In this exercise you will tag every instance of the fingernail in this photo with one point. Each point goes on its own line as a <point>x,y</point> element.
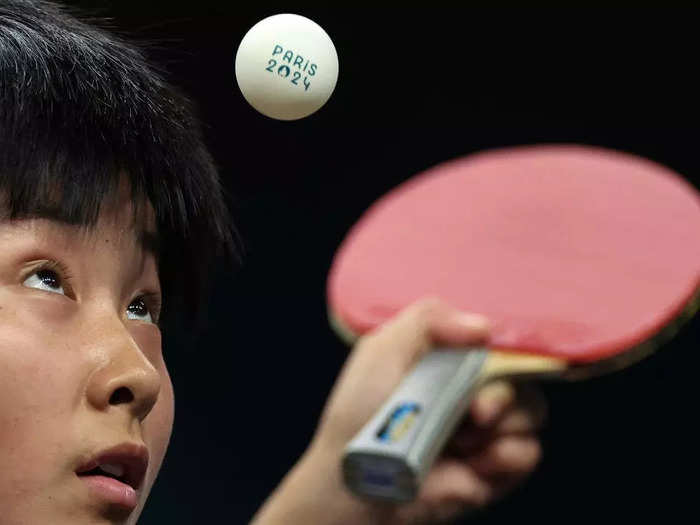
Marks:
<point>473,321</point>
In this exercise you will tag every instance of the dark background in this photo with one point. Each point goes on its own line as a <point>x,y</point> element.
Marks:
<point>416,87</point>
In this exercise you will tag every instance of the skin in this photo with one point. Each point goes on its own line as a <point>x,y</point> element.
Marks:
<point>495,448</point>
<point>65,348</point>
<point>66,345</point>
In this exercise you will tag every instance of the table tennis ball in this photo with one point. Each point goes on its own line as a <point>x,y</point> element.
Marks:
<point>286,67</point>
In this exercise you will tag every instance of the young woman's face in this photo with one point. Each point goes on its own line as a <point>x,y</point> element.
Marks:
<point>81,372</point>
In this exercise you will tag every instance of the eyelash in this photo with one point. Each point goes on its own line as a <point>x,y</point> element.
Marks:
<point>151,299</point>
<point>153,303</point>
<point>59,269</point>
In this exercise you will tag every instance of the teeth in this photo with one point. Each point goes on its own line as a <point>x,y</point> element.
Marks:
<point>115,470</point>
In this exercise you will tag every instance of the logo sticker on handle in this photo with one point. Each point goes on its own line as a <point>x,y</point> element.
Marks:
<point>399,422</point>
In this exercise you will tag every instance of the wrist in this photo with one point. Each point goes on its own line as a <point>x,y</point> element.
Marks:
<point>313,492</point>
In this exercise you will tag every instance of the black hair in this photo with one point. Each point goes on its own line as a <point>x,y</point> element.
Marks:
<point>79,110</point>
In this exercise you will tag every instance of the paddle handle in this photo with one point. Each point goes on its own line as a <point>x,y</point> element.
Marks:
<point>389,458</point>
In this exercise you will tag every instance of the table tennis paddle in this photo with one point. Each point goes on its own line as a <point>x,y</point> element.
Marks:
<point>583,259</point>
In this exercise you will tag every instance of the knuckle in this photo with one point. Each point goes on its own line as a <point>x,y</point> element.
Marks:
<point>520,455</point>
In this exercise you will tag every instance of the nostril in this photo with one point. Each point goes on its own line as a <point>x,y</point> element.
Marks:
<point>121,395</point>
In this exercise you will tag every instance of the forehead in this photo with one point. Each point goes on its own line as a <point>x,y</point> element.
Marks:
<point>119,223</point>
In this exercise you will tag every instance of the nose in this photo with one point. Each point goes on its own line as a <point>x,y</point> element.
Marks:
<point>125,378</point>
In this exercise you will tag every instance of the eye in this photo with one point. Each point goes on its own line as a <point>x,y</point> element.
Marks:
<point>143,308</point>
<point>45,279</point>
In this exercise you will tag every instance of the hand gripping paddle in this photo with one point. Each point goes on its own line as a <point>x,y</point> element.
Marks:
<point>583,259</point>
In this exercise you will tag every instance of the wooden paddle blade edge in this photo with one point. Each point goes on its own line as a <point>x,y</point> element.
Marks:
<point>342,331</point>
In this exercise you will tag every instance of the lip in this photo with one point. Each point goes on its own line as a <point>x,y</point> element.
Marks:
<point>112,491</point>
<point>124,492</point>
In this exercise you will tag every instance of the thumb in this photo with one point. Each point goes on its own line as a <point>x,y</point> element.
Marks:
<point>382,358</point>
<point>422,326</point>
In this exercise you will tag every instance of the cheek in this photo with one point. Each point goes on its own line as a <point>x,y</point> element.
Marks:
<point>157,427</point>
<point>36,373</point>
<point>36,406</point>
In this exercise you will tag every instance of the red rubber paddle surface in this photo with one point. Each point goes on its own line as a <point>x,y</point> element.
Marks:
<point>571,251</point>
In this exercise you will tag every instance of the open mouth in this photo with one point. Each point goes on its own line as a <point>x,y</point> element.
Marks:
<point>115,475</point>
<point>113,471</point>
<point>126,464</point>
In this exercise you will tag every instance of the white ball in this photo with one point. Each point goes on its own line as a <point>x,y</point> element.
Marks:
<point>286,67</point>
